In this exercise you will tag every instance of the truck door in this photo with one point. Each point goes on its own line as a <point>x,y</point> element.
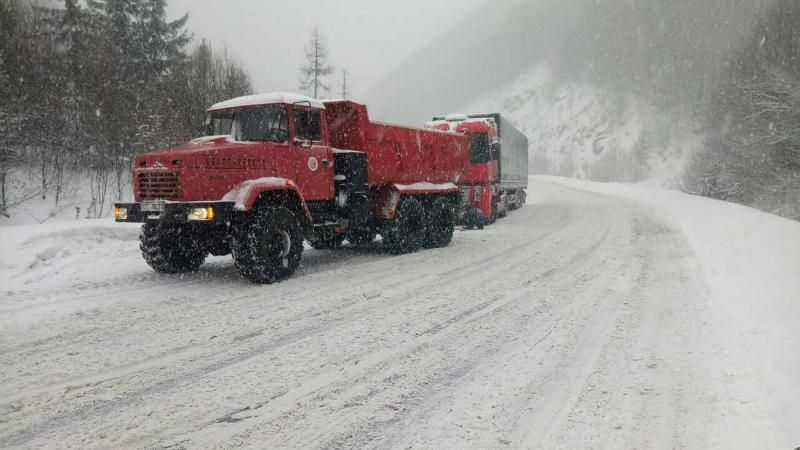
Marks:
<point>314,158</point>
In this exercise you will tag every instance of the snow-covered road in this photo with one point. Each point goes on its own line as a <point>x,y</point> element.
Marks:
<point>582,320</point>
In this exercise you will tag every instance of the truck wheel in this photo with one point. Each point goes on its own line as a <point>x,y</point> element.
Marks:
<point>440,224</point>
<point>267,247</point>
<point>328,244</point>
<point>406,233</point>
<point>361,237</point>
<point>170,248</point>
<point>493,215</point>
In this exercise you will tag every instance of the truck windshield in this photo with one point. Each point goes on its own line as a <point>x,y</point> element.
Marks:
<point>269,123</point>
<point>479,148</point>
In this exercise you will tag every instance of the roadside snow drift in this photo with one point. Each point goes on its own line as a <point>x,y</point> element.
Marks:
<point>751,261</point>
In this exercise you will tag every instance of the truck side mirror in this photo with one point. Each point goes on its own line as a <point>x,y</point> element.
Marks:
<point>494,152</point>
<point>302,143</point>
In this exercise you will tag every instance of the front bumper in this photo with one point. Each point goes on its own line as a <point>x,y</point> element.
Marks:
<point>172,212</point>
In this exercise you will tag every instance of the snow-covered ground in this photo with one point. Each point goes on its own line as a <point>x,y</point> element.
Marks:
<point>600,315</point>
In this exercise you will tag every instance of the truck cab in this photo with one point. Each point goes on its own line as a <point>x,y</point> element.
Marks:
<point>497,176</point>
<point>252,138</point>
<point>479,185</point>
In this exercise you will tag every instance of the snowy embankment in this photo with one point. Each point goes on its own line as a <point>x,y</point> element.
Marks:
<point>76,255</point>
<point>751,262</point>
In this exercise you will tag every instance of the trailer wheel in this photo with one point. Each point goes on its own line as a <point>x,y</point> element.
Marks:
<point>406,233</point>
<point>170,248</point>
<point>440,224</point>
<point>361,237</point>
<point>267,247</point>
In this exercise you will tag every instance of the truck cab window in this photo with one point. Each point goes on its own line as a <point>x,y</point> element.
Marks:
<point>307,125</point>
<point>219,123</point>
<point>264,124</point>
<point>479,148</point>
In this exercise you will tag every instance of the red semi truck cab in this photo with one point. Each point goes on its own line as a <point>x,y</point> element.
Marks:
<point>496,175</point>
<point>276,169</point>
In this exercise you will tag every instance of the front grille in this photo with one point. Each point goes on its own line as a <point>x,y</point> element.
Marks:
<point>160,186</point>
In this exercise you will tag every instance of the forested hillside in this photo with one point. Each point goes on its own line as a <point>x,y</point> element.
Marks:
<point>86,86</point>
<point>752,154</point>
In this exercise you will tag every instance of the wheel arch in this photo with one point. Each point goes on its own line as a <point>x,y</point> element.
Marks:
<point>271,192</point>
<point>289,199</point>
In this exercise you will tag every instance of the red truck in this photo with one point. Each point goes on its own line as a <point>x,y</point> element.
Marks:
<point>277,169</point>
<point>497,173</point>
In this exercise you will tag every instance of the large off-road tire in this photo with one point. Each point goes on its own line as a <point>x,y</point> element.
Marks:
<point>171,248</point>
<point>361,237</point>
<point>440,219</point>
<point>268,245</point>
<point>328,244</point>
<point>406,233</point>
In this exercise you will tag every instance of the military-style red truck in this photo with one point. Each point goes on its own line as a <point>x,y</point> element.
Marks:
<point>497,173</point>
<point>277,169</point>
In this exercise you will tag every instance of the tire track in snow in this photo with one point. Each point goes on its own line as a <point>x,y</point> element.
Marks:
<point>106,407</point>
<point>496,308</point>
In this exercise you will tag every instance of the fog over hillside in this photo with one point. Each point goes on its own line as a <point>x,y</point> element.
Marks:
<point>624,90</point>
<point>654,45</point>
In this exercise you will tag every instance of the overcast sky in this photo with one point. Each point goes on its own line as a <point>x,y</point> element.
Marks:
<point>366,37</point>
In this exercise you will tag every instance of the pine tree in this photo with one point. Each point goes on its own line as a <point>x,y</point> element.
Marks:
<point>138,49</point>
<point>163,46</point>
<point>317,67</point>
<point>93,84</point>
<point>72,100</point>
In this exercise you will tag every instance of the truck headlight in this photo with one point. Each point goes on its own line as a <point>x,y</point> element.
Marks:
<point>201,214</point>
<point>121,213</point>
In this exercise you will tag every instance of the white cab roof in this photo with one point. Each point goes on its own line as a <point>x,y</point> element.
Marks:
<point>266,99</point>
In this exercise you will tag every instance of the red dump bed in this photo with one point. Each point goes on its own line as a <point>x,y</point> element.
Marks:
<point>396,154</point>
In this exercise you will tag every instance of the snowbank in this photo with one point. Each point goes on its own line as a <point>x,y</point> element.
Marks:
<point>751,261</point>
<point>77,254</point>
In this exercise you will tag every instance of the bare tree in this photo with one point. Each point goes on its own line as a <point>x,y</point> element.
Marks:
<point>345,92</point>
<point>317,67</point>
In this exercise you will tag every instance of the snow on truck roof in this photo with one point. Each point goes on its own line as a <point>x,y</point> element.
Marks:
<point>265,99</point>
<point>456,117</point>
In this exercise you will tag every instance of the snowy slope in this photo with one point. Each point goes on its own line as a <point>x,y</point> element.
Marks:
<point>641,319</point>
<point>577,129</point>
